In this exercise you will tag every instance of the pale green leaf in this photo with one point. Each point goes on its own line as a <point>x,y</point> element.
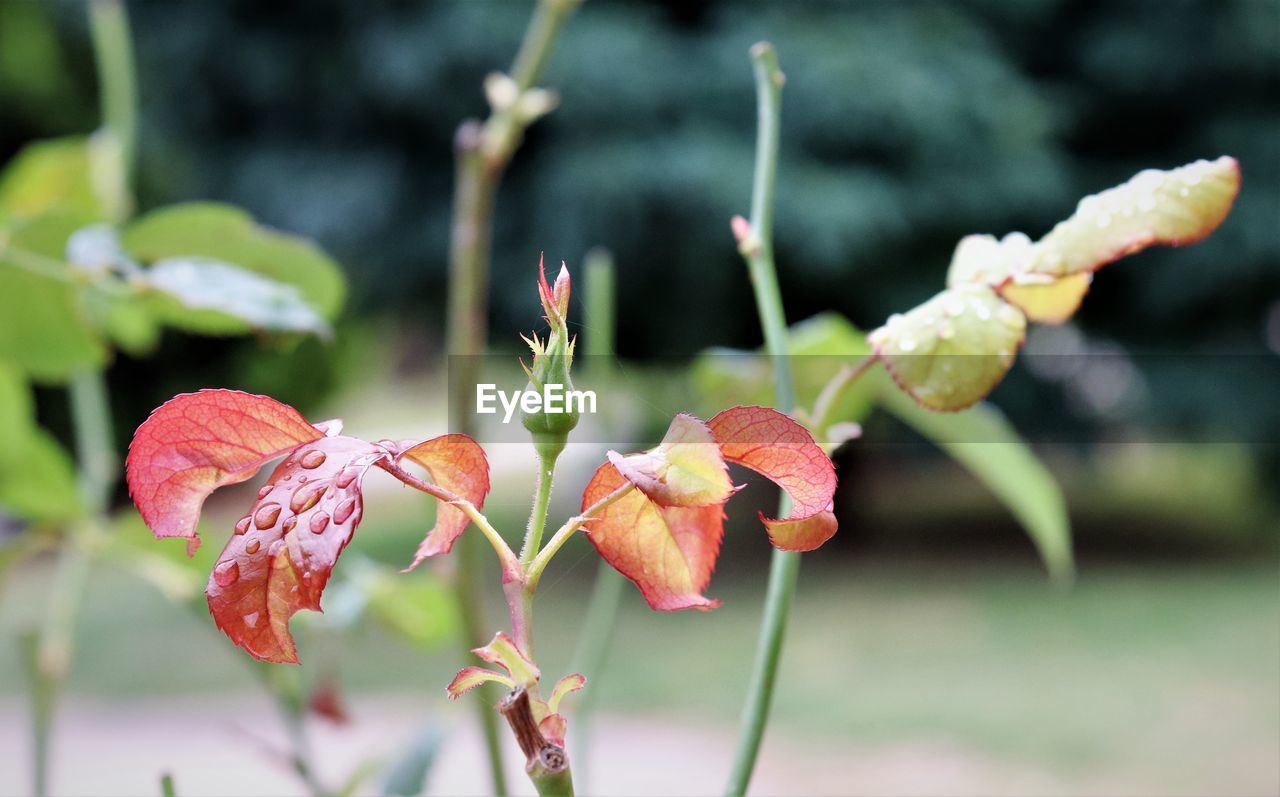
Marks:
<point>951,351</point>
<point>983,441</point>
<point>52,175</point>
<point>1174,207</point>
<point>229,235</point>
<point>37,476</point>
<point>45,327</point>
<point>221,294</point>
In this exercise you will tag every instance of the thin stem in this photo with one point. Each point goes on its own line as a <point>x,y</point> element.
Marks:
<point>118,90</point>
<point>534,572</point>
<point>538,515</point>
<point>757,248</point>
<point>508,558</point>
<point>482,152</point>
<point>286,692</point>
<point>591,654</point>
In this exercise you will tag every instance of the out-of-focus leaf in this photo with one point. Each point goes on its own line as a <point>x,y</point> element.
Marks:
<point>226,234</point>
<point>45,328</point>
<point>407,776</point>
<point>951,351</point>
<point>818,345</point>
<point>37,477</point>
<point>52,175</point>
<point>1174,207</point>
<point>982,440</point>
<point>419,611</point>
<point>213,297</point>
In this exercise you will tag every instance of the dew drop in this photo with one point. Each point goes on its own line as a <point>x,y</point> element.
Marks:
<point>954,307</point>
<point>1147,202</point>
<point>312,459</point>
<point>302,479</point>
<point>251,619</point>
<point>893,319</point>
<point>306,497</point>
<point>907,344</point>
<point>1104,220</point>
<point>345,478</point>
<point>1192,178</point>
<point>946,332</point>
<point>1184,192</point>
<point>252,546</point>
<point>344,511</point>
<point>289,523</point>
<point>982,311</point>
<point>266,516</point>
<point>226,573</point>
<point>319,522</point>
<point>242,525</point>
<point>265,489</point>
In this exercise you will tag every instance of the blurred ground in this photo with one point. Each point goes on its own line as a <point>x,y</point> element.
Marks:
<point>900,679</point>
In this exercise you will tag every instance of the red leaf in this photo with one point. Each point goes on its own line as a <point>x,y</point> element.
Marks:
<point>197,442</point>
<point>458,464</point>
<point>668,552</point>
<point>802,534</point>
<point>774,445</point>
<point>283,551</point>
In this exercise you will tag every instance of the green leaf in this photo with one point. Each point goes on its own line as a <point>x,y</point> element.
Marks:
<point>210,231</point>
<point>37,476</point>
<point>47,330</point>
<point>819,347</point>
<point>56,174</point>
<point>983,441</point>
<point>220,293</point>
<point>951,351</point>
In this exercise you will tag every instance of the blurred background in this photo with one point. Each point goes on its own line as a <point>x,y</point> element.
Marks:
<point>929,653</point>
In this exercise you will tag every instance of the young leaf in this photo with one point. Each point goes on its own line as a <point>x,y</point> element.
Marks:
<point>469,678</point>
<point>774,445</point>
<point>224,290</point>
<point>458,464</point>
<point>1050,302</point>
<point>504,652</point>
<point>229,235</point>
<point>983,441</point>
<point>951,351</point>
<point>668,552</point>
<point>686,469</point>
<point>283,552</point>
<point>197,442</point>
<point>570,683</point>
<point>1174,207</point>
<point>46,330</point>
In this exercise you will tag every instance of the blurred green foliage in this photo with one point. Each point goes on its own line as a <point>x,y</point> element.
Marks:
<point>906,126</point>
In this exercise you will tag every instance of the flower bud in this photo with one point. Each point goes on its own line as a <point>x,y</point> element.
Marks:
<point>552,360</point>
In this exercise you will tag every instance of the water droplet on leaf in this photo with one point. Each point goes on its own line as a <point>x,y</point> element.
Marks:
<point>226,573</point>
<point>252,546</point>
<point>266,516</point>
<point>319,522</point>
<point>344,511</point>
<point>312,459</point>
<point>242,525</point>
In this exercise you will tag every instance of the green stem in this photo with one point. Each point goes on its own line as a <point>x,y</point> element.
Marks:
<point>482,153</point>
<point>285,688</point>
<point>118,90</point>
<point>757,248</point>
<point>522,615</point>
<point>592,652</point>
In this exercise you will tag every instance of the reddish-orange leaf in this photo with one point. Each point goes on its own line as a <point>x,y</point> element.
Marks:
<point>801,534</point>
<point>283,551</point>
<point>458,464</point>
<point>668,552</point>
<point>197,442</point>
<point>775,446</point>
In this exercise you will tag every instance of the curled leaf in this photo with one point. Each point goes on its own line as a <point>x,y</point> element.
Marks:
<point>504,652</point>
<point>197,442</point>
<point>1050,302</point>
<point>1174,207</point>
<point>570,683</point>
<point>469,678</point>
<point>668,552</point>
<point>686,469</point>
<point>951,351</point>
<point>457,463</point>
<point>774,445</point>
<point>283,551</point>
